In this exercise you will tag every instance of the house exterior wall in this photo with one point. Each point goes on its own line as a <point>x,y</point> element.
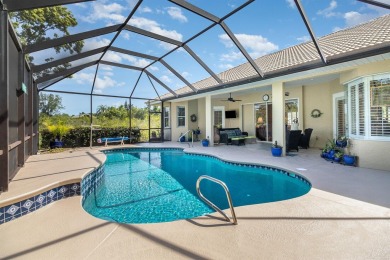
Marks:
<point>319,96</point>
<point>371,153</point>
<point>177,130</point>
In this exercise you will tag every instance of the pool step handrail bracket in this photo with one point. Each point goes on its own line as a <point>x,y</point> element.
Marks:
<point>229,198</point>
<point>192,138</point>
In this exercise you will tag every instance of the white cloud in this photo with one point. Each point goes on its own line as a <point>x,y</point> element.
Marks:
<point>225,66</point>
<point>336,29</point>
<point>153,68</point>
<point>113,57</point>
<point>105,82</point>
<point>110,13</point>
<point>94,43</point>
<point>354,18</point>
<point>231,56</point>
<point>82,5</point>
<point>145,9</point>
<point>291,3</point>
<point>328,12</point>
<point>83,78</point>
<point>154,27</point>
<point>304,38</point>
<point>256,45</point>
<point>186,74</point>
<point>125,35</point>
<point>166,79</point>
<point>176,14</point>
<point>101,83</point>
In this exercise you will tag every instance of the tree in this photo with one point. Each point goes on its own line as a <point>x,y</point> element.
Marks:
<point>50,104</point>
<point>36,25</point>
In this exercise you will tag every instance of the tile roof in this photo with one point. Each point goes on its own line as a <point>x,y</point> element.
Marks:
<point>342,43</point>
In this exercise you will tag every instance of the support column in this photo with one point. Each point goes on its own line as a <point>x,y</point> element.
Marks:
<point>30,110</point>
<point>278,120</point>
<point>35,118</point>
<point>21,111</point>
<point>209,121</point>
<point>4,98</point>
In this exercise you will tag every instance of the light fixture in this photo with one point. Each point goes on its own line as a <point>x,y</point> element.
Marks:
<point>260,120</point>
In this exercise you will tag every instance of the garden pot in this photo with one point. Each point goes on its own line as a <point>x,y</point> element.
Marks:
<point>182,139</point>
<point>205,142</point>
<point>56,144</point>
<point>337,159</point>
<point>331,154</point>
<point>276,151</point>
<point>349,159</point>
<point>341,144</point>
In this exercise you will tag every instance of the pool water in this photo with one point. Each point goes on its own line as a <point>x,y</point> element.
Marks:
<point>150,186</point>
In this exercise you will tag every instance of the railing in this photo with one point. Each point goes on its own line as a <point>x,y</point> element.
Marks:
<point>212,204</point>
<point>192,138</point>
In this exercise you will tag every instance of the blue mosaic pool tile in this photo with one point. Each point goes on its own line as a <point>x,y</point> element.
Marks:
<point>27,205</point>
<point>12,210</point>
<point>51,196</point>
<point>2,215</point>
<point>40,200</point>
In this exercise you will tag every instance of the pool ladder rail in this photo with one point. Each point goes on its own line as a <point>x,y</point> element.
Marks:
<point>192,138</point>
<point>229,198</point>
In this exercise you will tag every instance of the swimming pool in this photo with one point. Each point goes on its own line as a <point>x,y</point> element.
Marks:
<point>158,185</point>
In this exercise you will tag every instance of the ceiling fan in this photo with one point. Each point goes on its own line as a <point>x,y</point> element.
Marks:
<point>231,99</point>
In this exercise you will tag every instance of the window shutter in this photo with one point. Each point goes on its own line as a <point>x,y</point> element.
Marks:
<point>380,107</point>
<point>361,99</point>
<point>353,110</point>
<point>340,117</point>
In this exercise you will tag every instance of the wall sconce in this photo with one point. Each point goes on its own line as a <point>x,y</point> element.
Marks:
<point>287,94</point>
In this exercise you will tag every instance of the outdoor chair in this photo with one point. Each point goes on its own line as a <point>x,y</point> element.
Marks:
<point>305,138</point>
<point>292,141</point>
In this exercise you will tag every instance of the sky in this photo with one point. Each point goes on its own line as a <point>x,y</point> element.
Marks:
<point>262,27</point>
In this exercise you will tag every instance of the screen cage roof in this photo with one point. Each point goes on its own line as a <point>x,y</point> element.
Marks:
<point>161,50</point>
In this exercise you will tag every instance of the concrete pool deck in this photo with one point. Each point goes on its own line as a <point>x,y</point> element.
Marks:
<point>346,215</point>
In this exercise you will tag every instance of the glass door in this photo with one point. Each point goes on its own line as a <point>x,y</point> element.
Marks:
<point>263,117</point>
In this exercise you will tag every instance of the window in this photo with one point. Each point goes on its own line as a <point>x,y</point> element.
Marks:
<point>380,107</point>
<point>369,107</point>
<point>181,116</point>
<point>167,117</point>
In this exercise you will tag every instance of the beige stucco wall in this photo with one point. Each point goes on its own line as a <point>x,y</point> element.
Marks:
<point>371,154</point>
<point>192,110</point>
<point>320,96</point>
<point>176,131</point>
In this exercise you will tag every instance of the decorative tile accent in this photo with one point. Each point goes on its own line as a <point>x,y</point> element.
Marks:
<point>27,205</point>
<point>18,209</point>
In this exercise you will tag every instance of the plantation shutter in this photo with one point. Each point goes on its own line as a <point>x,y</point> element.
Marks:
<point>380,107</point>
<point>340,117</point>
<point>353,110</point>
<point>361,99</point>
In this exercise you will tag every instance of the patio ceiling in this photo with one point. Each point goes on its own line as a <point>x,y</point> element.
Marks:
<point>313,54</point>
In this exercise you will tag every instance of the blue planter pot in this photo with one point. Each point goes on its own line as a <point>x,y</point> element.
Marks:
<point>331,154</point>
<point>277,152</point>
<point>349,159</point>
<point>182,139</point>
<point>341,144</point>
<point>205,143</point>
<point>337,160</point>
<point>56,144</point>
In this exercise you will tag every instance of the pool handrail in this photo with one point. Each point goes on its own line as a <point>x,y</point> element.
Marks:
<point>229,198</point>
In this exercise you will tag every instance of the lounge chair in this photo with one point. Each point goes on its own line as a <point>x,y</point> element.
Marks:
<point>292,140</point>
<point>305,138</point>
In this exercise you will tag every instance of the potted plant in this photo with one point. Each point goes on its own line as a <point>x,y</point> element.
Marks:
<point>349,159</point>
<point>58,131</point>
<point>205,142</point>
<point>337,156</point>
<point>342,141</point>
<point>276,149</point>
